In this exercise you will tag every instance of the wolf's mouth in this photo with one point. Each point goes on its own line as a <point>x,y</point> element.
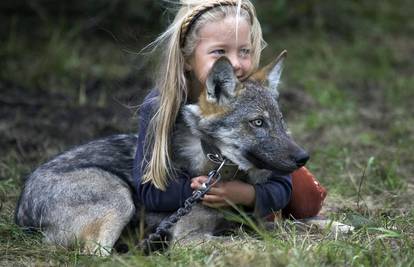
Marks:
<point>262,164</point>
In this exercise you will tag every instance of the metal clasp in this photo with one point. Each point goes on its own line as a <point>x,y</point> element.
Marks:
<point>214,174</point>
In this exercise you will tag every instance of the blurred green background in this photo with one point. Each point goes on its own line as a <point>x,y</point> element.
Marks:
<point>71,71</point>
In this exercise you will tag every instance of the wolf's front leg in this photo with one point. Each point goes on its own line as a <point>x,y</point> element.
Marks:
<point>197,226</point>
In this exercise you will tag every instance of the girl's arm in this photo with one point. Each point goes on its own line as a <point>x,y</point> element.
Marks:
<point>178,189</point>
<point>265,198</point>
<point>273,195</point>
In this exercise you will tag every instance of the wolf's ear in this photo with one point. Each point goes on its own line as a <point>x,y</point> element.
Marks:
<point>221,82</point>
<point>270,74</point>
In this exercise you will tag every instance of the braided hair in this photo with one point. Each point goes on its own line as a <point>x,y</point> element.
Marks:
<point>200,10</point>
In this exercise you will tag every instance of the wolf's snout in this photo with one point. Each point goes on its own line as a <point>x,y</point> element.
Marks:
<point>301,158</point>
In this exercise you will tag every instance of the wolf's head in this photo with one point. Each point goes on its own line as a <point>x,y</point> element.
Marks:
<point>243,119</point>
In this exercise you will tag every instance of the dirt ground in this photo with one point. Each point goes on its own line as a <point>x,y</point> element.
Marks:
<point>39,123</point>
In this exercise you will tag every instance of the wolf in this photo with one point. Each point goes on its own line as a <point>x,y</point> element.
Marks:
<point>87,196</point>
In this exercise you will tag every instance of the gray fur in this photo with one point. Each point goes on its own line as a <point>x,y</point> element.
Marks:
<point>85,187</point>
<point>87,194</point>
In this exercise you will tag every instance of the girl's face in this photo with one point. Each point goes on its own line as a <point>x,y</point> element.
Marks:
<point>221,38</point>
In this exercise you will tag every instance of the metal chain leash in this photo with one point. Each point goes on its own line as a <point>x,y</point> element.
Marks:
<point>158,241</point>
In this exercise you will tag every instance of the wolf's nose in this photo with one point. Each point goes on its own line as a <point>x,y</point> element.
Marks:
<point>301,158</point>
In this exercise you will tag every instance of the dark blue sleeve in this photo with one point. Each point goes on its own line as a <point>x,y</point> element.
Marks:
<point>178,189</point>
<point>273,195</point>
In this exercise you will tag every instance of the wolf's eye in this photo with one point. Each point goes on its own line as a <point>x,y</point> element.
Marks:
<point>257,122</point>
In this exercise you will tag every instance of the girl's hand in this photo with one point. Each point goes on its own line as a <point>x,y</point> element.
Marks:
<point>198,181</point>
<point>222,193</point>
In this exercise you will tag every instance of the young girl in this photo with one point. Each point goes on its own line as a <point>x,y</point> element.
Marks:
<point>202,32</point>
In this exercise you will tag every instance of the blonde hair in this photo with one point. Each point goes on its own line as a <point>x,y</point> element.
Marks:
<point>178,43</point>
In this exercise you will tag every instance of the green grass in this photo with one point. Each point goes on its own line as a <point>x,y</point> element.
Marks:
<point>378,241</point>
<point>357,122</point>
<point>60,60</point>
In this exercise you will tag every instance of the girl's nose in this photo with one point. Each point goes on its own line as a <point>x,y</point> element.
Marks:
<point>235,62</point>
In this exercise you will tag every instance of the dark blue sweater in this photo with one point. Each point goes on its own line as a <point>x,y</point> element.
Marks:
<point>272,195</point>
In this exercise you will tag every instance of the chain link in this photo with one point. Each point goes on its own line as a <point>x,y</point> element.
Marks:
<point>158,241</point>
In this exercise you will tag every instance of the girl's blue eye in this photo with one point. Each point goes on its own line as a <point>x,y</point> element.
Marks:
<point>218,52</point>
<point>244,52</point>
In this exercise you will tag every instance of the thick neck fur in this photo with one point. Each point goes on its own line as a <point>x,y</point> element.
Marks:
<point>187,151</point>
<point>189,155</point>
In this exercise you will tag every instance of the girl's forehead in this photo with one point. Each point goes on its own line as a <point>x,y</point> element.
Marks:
<point>226,29</point>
